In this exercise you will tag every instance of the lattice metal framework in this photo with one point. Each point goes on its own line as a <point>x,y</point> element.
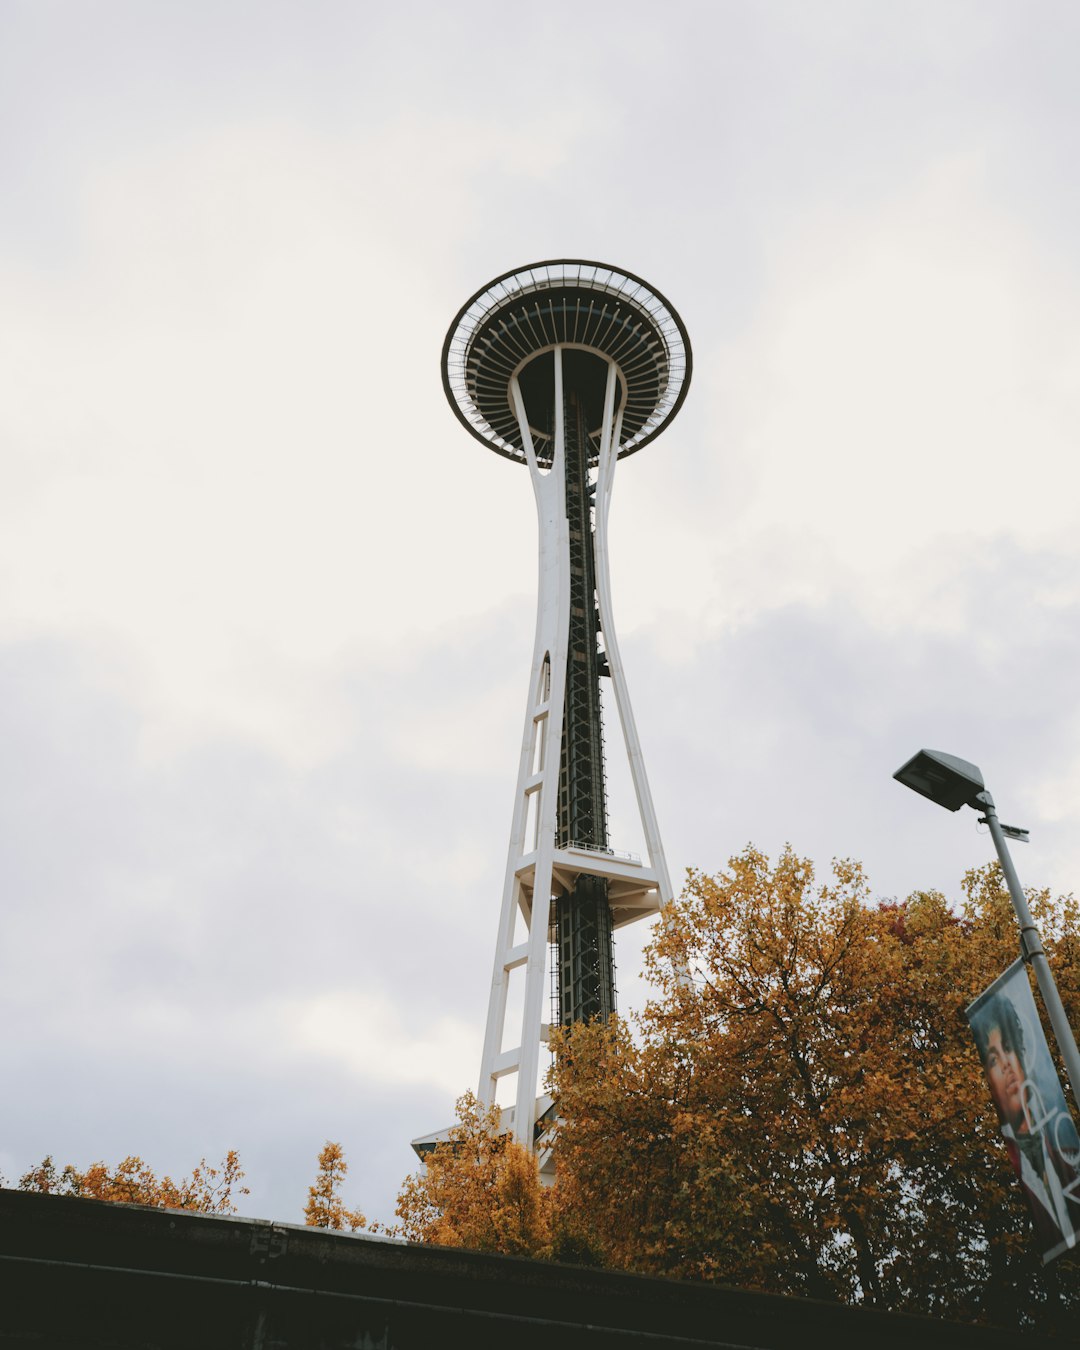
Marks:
<point>582,915</point>
<point>567,366</point>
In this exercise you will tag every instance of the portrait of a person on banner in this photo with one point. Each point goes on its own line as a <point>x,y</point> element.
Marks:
<point>1039,1132</point>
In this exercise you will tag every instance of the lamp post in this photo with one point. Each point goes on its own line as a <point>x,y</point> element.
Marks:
<point>953,783</point>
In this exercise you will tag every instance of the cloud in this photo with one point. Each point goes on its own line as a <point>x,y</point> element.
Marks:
<point>364,1035</point>
<point>902,400</point>
<point>788,728</point>
<point>220,436</point>
<point>226,922</point>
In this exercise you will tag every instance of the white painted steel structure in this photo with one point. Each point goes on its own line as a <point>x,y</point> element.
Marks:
<point>556,308</point>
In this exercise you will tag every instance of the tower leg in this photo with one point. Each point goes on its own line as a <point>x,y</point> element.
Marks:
<point>528,882</point>
<point>604,483</point>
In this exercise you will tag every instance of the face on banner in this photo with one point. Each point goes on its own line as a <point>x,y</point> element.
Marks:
<point>1038,1130</point>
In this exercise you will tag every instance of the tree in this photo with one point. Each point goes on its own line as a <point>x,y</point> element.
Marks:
<point>325,1207</point>
<point>807,1113</point>
<point>209,1190</point>
<point>478,1189</point>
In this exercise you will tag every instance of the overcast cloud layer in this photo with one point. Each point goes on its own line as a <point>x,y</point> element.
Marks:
<point>266,612</point>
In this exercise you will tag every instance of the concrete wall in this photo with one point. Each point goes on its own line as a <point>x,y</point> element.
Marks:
<point>79,1273</point>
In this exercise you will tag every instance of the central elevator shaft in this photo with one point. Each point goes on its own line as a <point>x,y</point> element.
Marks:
<point>586,972</point>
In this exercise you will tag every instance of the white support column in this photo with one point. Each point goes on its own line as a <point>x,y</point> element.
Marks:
<point>609,449</point>
<point>551,507</point>
<point>529,863</point>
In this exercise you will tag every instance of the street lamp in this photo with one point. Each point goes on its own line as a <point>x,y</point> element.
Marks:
<point>953,783</point>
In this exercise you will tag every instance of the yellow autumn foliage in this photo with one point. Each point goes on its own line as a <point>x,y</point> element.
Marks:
<point>478,1189</point>
<point>807,1113</point>
<point>325,1207</point>
<point>209,1190</point>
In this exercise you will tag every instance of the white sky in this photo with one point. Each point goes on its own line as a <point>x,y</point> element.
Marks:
<point>266,611</point>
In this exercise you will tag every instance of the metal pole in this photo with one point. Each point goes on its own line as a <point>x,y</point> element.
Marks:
<point>1031,949</point>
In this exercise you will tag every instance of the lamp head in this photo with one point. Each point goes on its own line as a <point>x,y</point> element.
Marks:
<point>945,779</point>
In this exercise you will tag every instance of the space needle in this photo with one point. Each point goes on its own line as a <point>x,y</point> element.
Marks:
<point>566,367</point>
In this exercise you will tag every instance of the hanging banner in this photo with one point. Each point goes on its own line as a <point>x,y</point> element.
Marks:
<point>1039,1132</point>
